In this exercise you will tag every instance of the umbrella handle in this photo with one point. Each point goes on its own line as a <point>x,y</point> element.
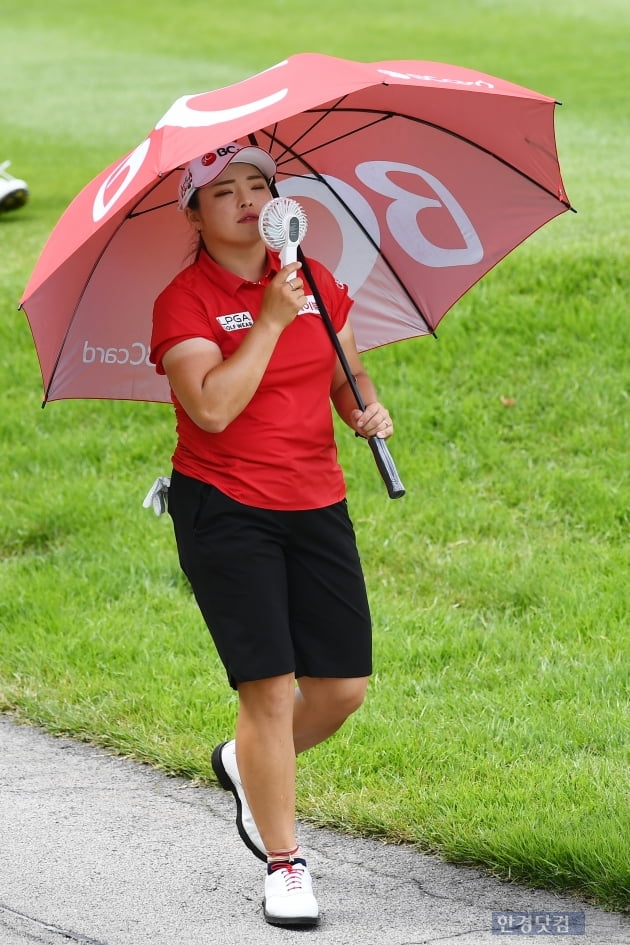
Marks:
<point>383,457</point>
<point>387,467</point>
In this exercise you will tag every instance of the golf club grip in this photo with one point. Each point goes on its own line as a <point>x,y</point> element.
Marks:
<point>386,467</point>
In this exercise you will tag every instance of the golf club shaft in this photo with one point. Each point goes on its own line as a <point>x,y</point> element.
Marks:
<point>380,450</point>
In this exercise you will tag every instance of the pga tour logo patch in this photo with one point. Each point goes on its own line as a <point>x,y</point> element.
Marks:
<point>240,320</point>
<point>236,321</point>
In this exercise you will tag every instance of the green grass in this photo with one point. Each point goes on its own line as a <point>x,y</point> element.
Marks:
<point>496,729</point>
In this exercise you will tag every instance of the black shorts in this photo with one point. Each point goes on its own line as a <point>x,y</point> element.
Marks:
<point>280,592</point>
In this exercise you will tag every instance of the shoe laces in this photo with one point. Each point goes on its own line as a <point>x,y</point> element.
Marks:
<point>292,874</point>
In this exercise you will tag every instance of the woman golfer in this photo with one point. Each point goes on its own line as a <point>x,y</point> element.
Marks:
<point>257,499</point>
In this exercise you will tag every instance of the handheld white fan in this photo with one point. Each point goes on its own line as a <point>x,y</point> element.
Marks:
<point>282,224</point>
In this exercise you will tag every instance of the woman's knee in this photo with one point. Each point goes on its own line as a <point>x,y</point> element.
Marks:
<point>336,698</point>
<point>354,696</point>
<point>268,698</point>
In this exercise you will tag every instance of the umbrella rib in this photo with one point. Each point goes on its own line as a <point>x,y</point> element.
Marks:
<point>159,206</point>
<point>329,141</point>
<point>382,255</point>
<point>437,127</point>
<point>324,113</point>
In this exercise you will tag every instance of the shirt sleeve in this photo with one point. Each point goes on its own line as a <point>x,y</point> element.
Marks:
<point>178,314</point>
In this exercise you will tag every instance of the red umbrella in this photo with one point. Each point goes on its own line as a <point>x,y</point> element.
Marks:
<point>416,178</point>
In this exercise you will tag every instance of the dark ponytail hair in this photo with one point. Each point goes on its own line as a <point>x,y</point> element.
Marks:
<point>197,243</point>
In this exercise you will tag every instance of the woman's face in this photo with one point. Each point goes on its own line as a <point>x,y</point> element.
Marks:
<point>228,208</point>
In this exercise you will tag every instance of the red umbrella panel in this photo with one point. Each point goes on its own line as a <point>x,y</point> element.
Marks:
<point>416,178</point>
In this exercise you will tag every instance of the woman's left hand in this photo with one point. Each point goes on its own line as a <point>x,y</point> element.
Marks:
<point>373,421</point>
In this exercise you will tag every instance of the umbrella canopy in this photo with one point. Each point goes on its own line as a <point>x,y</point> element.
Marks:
<point>416,177</point>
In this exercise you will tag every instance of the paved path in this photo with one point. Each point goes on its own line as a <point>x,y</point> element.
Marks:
<point>99,850</point>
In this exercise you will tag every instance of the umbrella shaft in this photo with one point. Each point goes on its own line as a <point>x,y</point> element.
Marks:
<point>382,456</point>
<point>352,381</point>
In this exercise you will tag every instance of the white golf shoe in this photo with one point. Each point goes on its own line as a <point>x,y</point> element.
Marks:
<point>226,770</point>
<point>13,191</point>
<point>289,898</point>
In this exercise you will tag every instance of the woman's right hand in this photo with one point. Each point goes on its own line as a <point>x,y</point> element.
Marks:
<point>283,297</point>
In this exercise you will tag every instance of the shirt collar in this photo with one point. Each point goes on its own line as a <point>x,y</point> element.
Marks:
<point>229,280</point>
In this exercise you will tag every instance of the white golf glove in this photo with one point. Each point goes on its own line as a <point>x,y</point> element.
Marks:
<point>157,496</point>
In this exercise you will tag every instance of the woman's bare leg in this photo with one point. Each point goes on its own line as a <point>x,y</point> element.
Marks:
<point>277,720</point>
<point>322,706</point>
<point>265,755</point>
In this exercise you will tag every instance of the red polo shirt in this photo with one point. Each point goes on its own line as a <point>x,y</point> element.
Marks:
<point>280,452</point>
